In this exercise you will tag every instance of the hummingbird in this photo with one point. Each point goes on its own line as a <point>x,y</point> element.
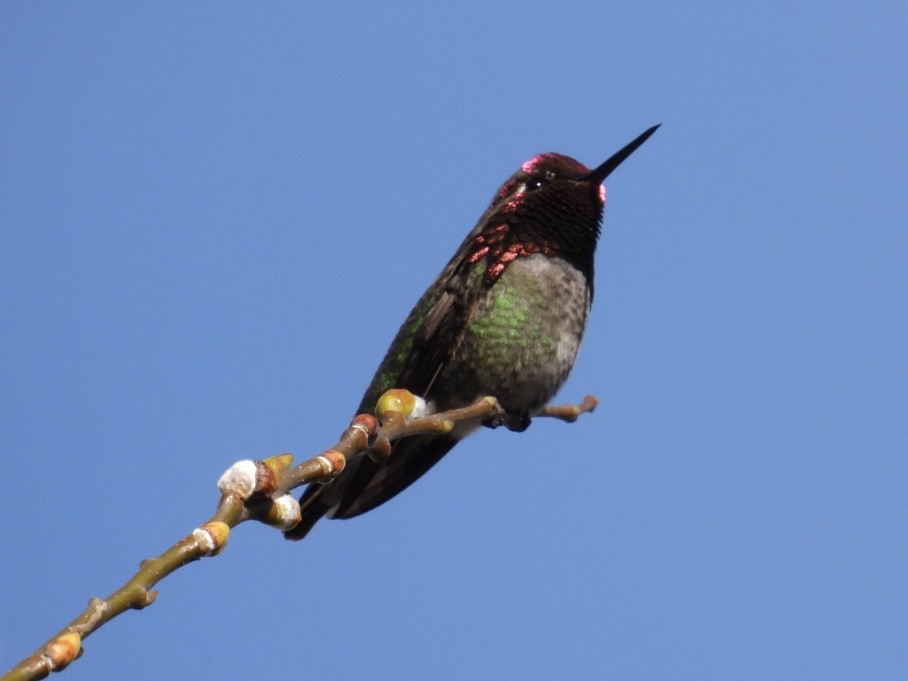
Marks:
<point>504,318</point>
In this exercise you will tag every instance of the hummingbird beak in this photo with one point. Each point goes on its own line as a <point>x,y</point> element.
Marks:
<point>598,175</point>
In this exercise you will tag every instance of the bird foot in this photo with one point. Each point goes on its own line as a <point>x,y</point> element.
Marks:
<point>513,422</point>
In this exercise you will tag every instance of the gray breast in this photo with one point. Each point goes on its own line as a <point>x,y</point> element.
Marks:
<point>523,339</point>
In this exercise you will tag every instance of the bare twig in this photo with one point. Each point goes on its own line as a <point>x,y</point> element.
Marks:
<point>570,412</point>
<point>259,490</point>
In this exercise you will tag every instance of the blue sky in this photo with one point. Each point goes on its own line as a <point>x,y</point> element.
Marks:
<point>215,216</point>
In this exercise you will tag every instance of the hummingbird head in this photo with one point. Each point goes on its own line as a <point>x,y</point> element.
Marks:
<point>557,174</point>
<point>552,205</point>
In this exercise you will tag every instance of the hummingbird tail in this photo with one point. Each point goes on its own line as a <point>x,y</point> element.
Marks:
<point>365,484</point>
<point>313,508</point>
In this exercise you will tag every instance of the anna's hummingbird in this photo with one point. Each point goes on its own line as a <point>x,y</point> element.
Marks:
<point>505,318</point>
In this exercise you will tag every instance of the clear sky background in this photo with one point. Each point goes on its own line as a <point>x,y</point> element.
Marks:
<point>216,215</point>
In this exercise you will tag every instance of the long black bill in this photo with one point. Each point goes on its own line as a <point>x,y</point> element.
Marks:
<point>603,171</point>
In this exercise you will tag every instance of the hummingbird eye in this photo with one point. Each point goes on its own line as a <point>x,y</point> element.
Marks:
<point>535,183</point>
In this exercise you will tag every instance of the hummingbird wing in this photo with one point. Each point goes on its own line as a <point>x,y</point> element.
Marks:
<point>424,344</point>
<point>440,332</point>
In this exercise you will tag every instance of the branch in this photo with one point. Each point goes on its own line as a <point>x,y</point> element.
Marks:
<point>259,490</point>
<point>569,412</point>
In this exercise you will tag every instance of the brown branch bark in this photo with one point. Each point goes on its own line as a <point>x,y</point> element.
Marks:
<point>259,490</point>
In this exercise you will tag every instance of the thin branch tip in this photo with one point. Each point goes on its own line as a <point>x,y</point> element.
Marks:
<point>570,412</point>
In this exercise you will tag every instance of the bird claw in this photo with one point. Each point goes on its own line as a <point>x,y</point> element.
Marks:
<point>517,423</point>
<point>514,422</point>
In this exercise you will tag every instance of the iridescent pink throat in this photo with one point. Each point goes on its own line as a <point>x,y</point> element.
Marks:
<point>499,250</point>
